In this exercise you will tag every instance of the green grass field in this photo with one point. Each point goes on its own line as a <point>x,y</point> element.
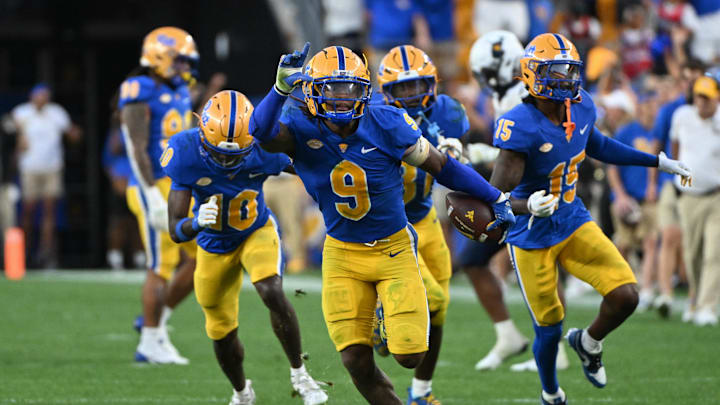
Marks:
<point>66,338</point>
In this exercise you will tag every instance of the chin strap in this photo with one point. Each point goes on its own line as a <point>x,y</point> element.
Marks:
<point>568,125</point>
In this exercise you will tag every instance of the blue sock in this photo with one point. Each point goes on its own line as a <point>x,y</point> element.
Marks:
<point>545,349</point>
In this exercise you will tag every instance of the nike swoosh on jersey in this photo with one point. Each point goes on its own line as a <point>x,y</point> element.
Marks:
<point>364,151</point>
<point>582,131</point>
<point>391,254</point>
<point>253,175</point>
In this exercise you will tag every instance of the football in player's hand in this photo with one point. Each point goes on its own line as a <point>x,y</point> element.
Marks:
<point>471,216</point>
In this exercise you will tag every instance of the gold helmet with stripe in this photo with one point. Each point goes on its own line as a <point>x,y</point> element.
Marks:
<point>340,85</point>
<point>408,79</point>
<point>224,128</point>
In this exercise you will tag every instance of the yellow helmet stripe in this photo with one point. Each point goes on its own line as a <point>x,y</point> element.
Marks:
<point>405,62</point>
<point>233,110</point>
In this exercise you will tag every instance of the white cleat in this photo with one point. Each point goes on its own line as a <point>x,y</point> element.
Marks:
<point>154,353</point>
<point>528,365</point>
<point>503,349</point>
<point>309,390</point>
<point>178,359</point>
<point>561,363</point>
<point>244,397</point>
<point>688,314</point>
<point>663,304</point>
<point>705,317</point>
<point>645,301</point>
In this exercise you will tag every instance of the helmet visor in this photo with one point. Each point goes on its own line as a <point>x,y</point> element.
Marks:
<point>226,160</point>
<point>487,77</point>
<point>560,75</point>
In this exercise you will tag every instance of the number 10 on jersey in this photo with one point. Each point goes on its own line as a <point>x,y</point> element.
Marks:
<point>241,213</point>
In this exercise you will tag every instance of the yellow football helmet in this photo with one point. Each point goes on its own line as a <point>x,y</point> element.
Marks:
<point>163,46</point>
<point>408,79</point>
<point>340,86</point>
<point>551,67</point>
<point>224,128</point>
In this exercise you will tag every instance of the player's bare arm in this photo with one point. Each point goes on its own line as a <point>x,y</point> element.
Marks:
<point>507,174</point>
<point>136,123</point>
<point>178,205</point>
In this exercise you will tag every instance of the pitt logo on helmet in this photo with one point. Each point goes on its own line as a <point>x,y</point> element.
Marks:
<point>163,46</point>
<point>224,129</point>
<point>408,79</point>
<point>340,86</point>
<point>551,68</point>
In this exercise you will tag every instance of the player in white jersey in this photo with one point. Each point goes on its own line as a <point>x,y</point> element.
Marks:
<point>495,63</point>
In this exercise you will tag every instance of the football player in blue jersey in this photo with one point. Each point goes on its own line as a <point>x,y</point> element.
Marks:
<point>348,155</point>
<point>495,64</point>
<point>542,142</point>
<point>408,79</point>
<point>154,104</point>
<point>223,169</point>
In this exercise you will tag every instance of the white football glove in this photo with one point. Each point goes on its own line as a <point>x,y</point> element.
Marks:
<point>451,146</point>
<point>157,208</point>
<point>541,205</point>
<point>481,153</point>
<point>675,167</point>
<point>208,212</point>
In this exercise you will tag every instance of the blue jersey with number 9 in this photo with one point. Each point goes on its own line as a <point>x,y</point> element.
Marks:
<point>239,192</point>
<point>356,181</point>
<point>551,164</point>
<point>170,113</point>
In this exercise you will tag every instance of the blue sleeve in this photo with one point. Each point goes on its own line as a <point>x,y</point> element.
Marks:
<point>509,135</point>
<point>138,89</point>
<point>399,130</point>
<point>264,120</point>
<point>611,151</point>
<point>459,177</point>
<point>172,164</point>
<point>177,186</point>
<point>661,129</point>
<point>276,163</point>
<point>458,120</point>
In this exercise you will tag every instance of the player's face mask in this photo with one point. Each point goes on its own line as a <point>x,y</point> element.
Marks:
<point>226,160</point>
<point>563,79</point>
<point>186,69</point>
<point>487,78</point>
<point>340,99</point>
<point>413,95</point>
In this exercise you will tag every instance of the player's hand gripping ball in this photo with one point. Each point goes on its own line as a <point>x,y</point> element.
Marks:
<point>471,216</point>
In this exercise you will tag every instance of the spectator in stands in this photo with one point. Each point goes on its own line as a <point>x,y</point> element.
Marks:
<point>677,23</point>
<point>695,135</point>
<point>633,213</point>
<point>393,23</point>
<point>443,50</point>
<point>41,125</point>
<point>706,43</point>
<point>122,231</point>
<point>508,15</point>
<point>541,13</point>
<point>286,197</point>
<point>581,26</point>
<point>344,23</point>
<point>670,257</point>
<point>635,38</point>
